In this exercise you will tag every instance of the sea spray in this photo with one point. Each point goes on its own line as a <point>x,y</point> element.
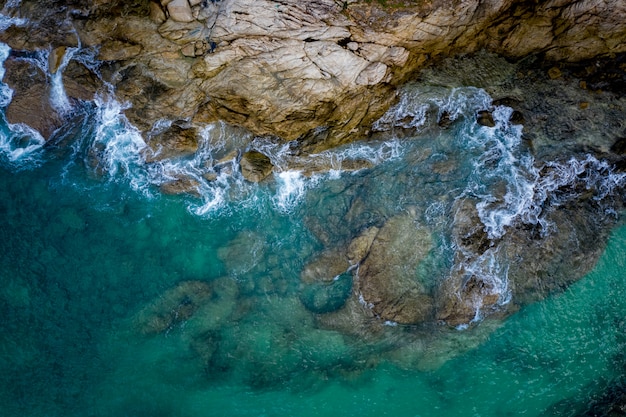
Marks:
<point>290,190</point>
<point>119,145</point>
<point>501,159</point>
<point>502,182</point>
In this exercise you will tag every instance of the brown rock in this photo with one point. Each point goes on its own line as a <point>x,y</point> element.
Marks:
<point>554,73</point>
<point>116,50</point>
<point>325,267</point>
<point>157,15</point>
<point>360,246</point>
<point>180,11</point>
<point>79,82</point>
<point>174,142</point>
<point>287,70</point>
<point>189,50</point>
<point>485,118</point>
<point>183,185</point>
<point>255,166</point>
<point>462,296</point>
<point>31,98</point>
<point>56,58</point>
<point>387,278</point>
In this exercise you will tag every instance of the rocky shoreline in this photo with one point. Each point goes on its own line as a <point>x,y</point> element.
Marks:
<point>316,75</point>
<point>317,72</point>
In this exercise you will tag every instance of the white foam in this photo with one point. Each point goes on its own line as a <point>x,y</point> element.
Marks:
<point>122,144</point>
<point>415,105</point>
<point>290,191</point>
<point>21,145</point>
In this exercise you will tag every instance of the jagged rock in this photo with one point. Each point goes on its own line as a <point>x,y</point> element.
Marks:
<point>174,306</point>
<point>255,166</point>
<point>468,290</point>
<point>139,86</point>
<point>388,279</point>
<point>464,297</point>
<point>80,82</point>
<point>157,15</point>
<point>286,69</point>
<point>360,246</point>
<point>554,261</point>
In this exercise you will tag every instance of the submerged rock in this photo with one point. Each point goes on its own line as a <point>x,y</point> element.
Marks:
<point>387,277</point>
<point>326,297</point>
<point>173,307</point>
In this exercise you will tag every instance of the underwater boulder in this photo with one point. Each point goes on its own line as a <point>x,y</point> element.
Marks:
<point>360,245</point>
<point>326,297</point>
<point>324,267</point>
<point>326,282</point>
<point>174,306</point>
<point>387,279</point>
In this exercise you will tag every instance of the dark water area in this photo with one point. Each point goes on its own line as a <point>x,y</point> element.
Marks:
<point>118,300</point>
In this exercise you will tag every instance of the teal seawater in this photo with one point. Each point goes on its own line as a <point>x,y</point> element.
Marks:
<point>82,256</point>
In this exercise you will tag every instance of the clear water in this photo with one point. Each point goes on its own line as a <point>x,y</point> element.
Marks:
<point>93,256</point>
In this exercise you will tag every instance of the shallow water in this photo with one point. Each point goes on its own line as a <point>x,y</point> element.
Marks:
<point>120,301</point>
<point>76,266</point>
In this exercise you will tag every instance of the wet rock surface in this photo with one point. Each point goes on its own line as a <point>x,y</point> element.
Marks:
<point>255,166</point>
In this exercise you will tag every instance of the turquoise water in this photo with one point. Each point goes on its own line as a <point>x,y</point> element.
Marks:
<point>120,301</point>
<point>77,266</point>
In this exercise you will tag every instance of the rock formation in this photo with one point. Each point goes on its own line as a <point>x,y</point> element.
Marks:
<point>287,68</point>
